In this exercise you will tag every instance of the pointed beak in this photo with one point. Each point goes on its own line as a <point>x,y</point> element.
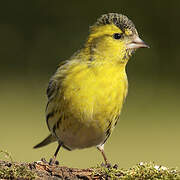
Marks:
<point>137,43</point>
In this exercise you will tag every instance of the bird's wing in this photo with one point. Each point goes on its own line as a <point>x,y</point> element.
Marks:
<point>54,94</point>
<point>55,81</point>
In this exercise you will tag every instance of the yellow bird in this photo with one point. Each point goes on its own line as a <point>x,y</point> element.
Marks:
<point>87,92</point>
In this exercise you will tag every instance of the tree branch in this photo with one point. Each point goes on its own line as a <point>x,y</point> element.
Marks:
<point>41,170</point>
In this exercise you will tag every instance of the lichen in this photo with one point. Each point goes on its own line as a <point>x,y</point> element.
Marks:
<point>142,171</point>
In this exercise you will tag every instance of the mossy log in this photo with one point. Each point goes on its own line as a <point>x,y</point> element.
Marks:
<point>41,170</point>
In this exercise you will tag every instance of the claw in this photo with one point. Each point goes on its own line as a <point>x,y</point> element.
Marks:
<point>53,162</point>
<point>108,165</point>
<point>57,162</point>
<point>44,160</point>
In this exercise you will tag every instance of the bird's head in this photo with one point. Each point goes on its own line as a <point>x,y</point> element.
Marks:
<point>113,37</point>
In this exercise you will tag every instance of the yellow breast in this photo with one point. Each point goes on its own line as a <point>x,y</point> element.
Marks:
<point>91,98</point>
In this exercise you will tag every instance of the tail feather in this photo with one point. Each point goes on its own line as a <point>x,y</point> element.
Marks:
<point>46,141</point>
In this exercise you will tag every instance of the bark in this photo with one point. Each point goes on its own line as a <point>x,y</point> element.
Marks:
<point>40,170</point>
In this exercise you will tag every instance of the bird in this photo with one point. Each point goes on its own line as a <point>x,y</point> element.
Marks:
<point>87,92</point>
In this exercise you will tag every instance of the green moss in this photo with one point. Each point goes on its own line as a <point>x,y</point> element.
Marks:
<point>101,171</point>
<point>16,172</point>
<point>142,171</point>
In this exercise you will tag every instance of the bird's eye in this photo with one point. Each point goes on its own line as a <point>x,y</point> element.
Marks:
<point>117,36</point>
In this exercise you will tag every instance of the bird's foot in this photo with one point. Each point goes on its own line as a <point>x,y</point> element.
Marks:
<point>108,165</point>
<point>53,162</point>
<point>43,160</point>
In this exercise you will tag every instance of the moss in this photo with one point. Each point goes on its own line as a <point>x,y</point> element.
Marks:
<point>142,171</point>
<point>104,172</point>
<point>10,170</point>
<point>16,172</point>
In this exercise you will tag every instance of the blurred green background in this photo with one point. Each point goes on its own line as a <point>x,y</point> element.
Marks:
<point>36,35</point>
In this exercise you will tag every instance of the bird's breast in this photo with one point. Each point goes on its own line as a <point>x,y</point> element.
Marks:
<point>92,102</point>
<point>93,91</point>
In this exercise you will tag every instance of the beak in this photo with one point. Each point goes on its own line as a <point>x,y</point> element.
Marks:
<point>137,43</point>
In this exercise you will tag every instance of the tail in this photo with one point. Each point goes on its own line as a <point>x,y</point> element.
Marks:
<point>46,141</point>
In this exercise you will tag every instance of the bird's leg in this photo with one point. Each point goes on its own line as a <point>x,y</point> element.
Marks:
<point>53,160</point>
<point>101,149</point>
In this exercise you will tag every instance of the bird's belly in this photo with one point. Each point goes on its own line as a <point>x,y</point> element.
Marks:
<point>81,135</point>
<point>89,124</point>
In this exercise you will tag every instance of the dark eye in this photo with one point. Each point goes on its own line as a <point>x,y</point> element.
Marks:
<point>117,36</point>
